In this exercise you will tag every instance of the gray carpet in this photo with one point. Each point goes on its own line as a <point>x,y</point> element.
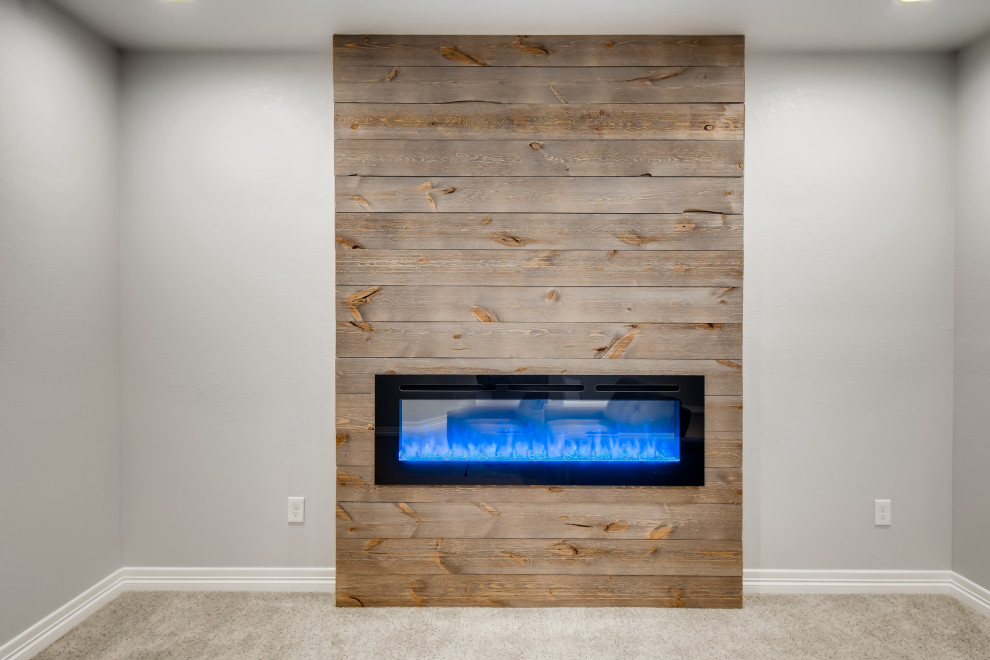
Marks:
<point>141,625</point>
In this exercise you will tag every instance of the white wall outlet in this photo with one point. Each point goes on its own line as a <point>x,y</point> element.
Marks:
<point>881,512</point>
<point>297,509</point>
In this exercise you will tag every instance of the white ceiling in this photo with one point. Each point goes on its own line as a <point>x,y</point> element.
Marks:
<point>805,25</point>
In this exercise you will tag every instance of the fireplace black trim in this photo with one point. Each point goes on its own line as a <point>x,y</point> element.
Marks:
<point>391,389</point>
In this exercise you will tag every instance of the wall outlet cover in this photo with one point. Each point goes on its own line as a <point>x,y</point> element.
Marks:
<point>881,512</point>
<point>297,509</point>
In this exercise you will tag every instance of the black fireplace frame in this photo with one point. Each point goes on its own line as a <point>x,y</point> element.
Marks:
<point>391,389</point>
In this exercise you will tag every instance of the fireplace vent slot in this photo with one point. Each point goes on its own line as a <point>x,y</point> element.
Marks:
<point>533,387</point>
<point>637,388</point>
<point>447,387</point>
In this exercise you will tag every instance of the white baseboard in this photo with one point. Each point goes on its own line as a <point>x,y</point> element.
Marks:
<point>227,579</point>
<point>33,640</point>
<point>971,593</point>
<point>37,637</point>
<point>762,581</point>
<point>759,581</point>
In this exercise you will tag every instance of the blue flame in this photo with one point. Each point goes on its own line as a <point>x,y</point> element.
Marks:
<point>623,430</point>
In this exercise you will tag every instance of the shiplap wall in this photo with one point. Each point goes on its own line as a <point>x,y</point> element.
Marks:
<point>539,205</point>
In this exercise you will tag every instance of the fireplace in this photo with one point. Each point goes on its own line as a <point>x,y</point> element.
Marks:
<point>539,430</point>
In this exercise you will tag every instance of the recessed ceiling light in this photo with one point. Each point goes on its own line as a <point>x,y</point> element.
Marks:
<point>908,2</point>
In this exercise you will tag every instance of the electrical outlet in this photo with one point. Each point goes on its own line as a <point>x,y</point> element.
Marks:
<point>297,509</point>
<point>881,512</point>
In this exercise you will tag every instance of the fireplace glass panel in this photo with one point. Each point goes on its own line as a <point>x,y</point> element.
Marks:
<point>620,429</point>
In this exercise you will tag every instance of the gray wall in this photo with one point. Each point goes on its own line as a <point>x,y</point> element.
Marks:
<point>848,312</point>
<point>971,485</point>
<point>59,443</point>
<point>227,308</point>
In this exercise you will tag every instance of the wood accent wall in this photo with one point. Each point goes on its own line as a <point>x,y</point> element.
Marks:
<point>539,205</point>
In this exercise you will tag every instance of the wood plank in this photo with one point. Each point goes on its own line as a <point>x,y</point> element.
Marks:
<point>722,413</point>
<point>517,51</point>
<point>466,304</point>
<point>538,85</point>
<point>527,340</point>
<point>360,590</point>
<point>514,157</point>
<point>538,557</point>
<point>355,434</point>
<point>547,231</point>
<point>522,267</point>
<point>355,483</point>
<point>355,431</point>
<point>356,453</point>
<point>357,375</point>
<point>505,520</point>
<point>355,413</point>
<point>717,195</point>
<point>496,121</point>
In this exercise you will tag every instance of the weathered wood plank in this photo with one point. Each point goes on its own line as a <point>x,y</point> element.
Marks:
<point>543,85</point>
<point>538,521</point>
<point>356,456</point>
<point>357,375</point>
<point>355,433</point>
<point>518,51</point>
<point>360,590</point>
<point>547,231</point>
<point>355,483</point>
<point>465,304</point>
<point>522,267</point>
<point>526,340</point>
<point>538,557</point>
<point>382,590</point>
<point>495,121</point>
<point>357,448</point>
<point>355,413</point>
<point>356,453</point>
<point>538,158</point>
<point>722,413</point>
<point>716,195</point>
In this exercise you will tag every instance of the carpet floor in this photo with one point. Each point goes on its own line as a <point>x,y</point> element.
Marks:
<point>272,626</point>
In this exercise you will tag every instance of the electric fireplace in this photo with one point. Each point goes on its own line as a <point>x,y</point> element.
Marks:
<point>540,430</point>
